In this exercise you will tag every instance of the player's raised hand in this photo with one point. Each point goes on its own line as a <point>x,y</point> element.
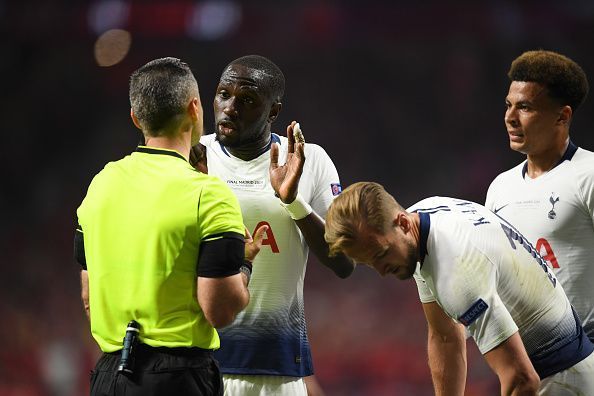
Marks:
<point>285,178</point>
<point>198,158</point>
<point>254,244</point>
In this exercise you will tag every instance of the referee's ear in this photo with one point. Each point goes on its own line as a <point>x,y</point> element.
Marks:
<point>135,120</point>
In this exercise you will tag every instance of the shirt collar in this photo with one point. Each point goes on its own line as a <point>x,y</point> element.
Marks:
<point>567,156</point>
<point>425,226</point>
<point>154,150</point>
<point>274,138</point>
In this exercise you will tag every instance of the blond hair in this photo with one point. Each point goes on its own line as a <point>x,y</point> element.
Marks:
<point>362,203</point>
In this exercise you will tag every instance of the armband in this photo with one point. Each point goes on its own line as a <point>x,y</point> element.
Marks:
<point>298,209</point>
<point>79,248</point>
<point>221,255</point>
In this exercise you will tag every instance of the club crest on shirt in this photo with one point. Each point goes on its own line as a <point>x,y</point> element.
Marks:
<point>553,199</point>
<point>336,188</point>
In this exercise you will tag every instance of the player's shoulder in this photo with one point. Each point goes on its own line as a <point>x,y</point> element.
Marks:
<point>583,159</point>
<point>311,149</point>
<point>316,150</point>
<point>505,181</point>
<point>208,140</point>
<point>433,204</point>
<point>582,169</point>
<point>512,174</point>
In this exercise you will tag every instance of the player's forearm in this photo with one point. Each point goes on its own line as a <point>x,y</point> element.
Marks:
<point>519,384</point>
<point>312,228</point>
<point>447,361</point>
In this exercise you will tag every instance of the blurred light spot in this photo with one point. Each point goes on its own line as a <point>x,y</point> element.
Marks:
<point>212,20</point>
<point>112,46</point>
<point>105,15</point>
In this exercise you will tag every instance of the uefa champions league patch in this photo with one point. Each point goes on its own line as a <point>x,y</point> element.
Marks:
<point>473,312</point>
<point>336,188</point>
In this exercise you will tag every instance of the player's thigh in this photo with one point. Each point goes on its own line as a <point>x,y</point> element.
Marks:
<point>576,380</point>
<point>263,385</point>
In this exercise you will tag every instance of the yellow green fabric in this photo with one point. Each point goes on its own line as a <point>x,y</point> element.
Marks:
<point>143,220</point>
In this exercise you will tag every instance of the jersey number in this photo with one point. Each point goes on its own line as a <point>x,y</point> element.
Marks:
<point>269,238</point>
<point>548,253</point>
<point>514,236</point>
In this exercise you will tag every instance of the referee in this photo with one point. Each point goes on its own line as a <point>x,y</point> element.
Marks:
<point>161,248</point>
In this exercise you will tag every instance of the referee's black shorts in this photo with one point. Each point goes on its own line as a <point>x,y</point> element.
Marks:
<point>159,372</point>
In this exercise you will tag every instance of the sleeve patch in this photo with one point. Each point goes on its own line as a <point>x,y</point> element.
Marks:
<point>336,188</point>
<point>473,313</point>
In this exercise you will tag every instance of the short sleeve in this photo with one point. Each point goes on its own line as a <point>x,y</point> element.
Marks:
<point>470,297</point>
<point>585,180</point>
<point>494,326</point>
<point>327,182</point>
<point>490,199</point>
<point>425,294</point>
<point>218,211</point>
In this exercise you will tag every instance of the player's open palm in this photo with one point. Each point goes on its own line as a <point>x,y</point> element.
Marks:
<point>285,178</point>
<point>254,244</point>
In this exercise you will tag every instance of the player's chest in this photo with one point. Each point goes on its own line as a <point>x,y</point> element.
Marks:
<point>546,206</point>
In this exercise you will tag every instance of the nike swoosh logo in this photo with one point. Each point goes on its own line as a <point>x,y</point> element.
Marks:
<point>498,209</point>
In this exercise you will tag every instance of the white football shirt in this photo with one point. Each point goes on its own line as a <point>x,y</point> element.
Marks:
<point>270,337</point>
<point>555,211</point>
<point>485,275</point>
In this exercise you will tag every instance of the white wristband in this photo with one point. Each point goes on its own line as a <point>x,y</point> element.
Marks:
<point>298,209</point>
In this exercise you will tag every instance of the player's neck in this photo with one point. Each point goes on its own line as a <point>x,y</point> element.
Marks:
<point>415,230</point>
<point>251,150</point>
<point>541,163</point>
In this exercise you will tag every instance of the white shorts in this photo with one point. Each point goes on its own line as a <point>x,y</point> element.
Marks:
<point>576,380</point>
<point>263,385</point>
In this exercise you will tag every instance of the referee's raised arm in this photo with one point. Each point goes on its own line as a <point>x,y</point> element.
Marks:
<point>162,249</point>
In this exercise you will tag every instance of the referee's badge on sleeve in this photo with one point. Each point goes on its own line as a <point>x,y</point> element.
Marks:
<point>336,188</point>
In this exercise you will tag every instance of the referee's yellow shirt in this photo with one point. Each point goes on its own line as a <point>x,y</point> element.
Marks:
<point>143,219</point>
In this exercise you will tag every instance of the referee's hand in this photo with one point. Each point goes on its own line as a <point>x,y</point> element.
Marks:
<point>253,244</point>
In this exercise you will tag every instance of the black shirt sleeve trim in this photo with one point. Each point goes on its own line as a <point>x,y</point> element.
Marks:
<point>79,247</point>
<point>230,234</point>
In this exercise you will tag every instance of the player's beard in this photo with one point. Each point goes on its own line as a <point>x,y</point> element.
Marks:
<point>410,263</point>
<point>239,139</point>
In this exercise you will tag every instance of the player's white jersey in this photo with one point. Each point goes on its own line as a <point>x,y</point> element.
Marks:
<point>555,212</point>
<point>485,275</point>
<point>269,337</point>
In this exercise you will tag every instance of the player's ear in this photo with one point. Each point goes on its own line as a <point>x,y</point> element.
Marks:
<point>401,220</point>
<point>274,111</point>
<point>565,115</point>
<point>135,119</point>
<point>404,221</point>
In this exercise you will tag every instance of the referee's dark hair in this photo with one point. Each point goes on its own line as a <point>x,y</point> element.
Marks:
<point>565,80</point>
<point>273,78</point>
<point>160,91</point>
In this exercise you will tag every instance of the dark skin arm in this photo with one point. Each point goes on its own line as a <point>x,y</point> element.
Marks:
<point>285,182</point>
<point>198,158</point>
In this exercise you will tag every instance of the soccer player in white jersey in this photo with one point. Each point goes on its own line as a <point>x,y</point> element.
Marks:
<point>287,185</point>
<point>550,196</point>
<point>474,270</point>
